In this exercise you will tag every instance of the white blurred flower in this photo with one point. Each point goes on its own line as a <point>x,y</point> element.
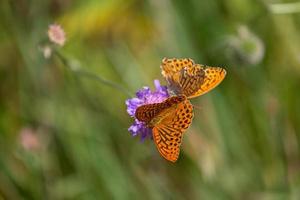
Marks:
<point>56,34</point>
<point>47,51</point>
<point>246,46</point>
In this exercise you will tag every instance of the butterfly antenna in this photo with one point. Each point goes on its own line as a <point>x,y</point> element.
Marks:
<point>197,107</point>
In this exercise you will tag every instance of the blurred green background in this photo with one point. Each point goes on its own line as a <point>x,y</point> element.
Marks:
<point>63,135</point>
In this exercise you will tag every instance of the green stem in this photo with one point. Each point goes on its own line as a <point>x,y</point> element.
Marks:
<point>79,71</point>
<point>285,8</point>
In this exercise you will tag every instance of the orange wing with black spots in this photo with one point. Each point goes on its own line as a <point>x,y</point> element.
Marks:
<point>169,132</point>
<point>146,113</point>
<point>170,67</point>
<point>186,77</point>
<point>168,121</point>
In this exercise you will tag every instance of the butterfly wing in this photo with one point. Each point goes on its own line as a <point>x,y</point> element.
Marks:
<point>186,77</point>
<point>202,80</point>
<point>167,134</point>
<point>171,66</point>
<point>152,113</point>
<point>168,120</point>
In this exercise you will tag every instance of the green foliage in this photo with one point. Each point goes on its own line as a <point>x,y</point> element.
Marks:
<point>63,127</point>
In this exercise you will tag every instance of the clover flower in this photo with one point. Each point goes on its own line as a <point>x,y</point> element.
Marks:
<point>56,34</point>
<point>29,139</point>
<point>143,97</point>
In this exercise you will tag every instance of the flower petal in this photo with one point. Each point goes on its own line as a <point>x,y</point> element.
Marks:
<point>157,84</point>
<point>143,92</point>
<point>132,105</point>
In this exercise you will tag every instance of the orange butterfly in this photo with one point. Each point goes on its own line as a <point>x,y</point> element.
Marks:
<point>192,80</point>
<point>168,120</point>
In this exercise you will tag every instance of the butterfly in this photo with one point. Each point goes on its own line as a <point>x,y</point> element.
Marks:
<point>170,118</point>
<point>192,80</point>
<point>168,121</point>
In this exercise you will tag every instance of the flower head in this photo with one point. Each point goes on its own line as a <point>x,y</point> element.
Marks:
<point>29,139</point>
<point>56,34</point>
<point>246,47</point>
<point>143,97</point>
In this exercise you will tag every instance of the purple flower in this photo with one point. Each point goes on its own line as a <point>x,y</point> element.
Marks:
<point>145,96</point>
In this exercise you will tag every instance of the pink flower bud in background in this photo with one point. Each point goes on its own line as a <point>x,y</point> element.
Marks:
<point>47,51</point>
<point>29,139</point>
<point>56,34</point>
